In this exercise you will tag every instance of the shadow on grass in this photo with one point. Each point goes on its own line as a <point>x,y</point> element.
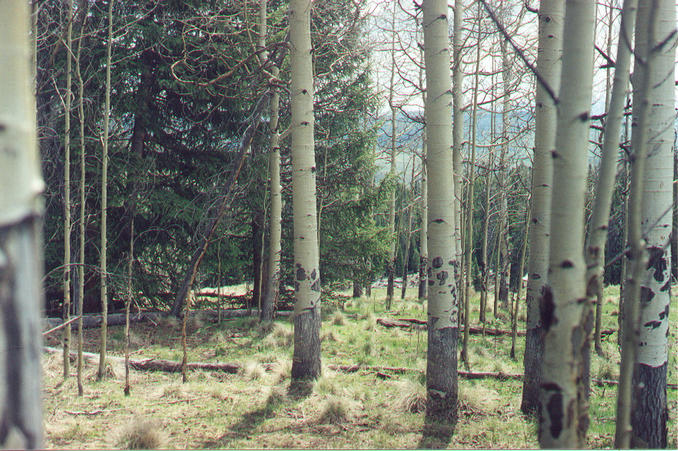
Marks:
<point>436,434</point>
<point>296,392</point>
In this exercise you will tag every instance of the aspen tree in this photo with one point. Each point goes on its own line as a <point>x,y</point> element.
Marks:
<point>548,64</point>
<point>104,199</point>
<point>564,298</point>
<point>441,368</point>
<point>469,203</point>
<point>595,246</point>
<point>458,125</point>
<point>390,265</point>
<point>67,196</point>
<point>81,219</point>
<point>306,357</point>
<point>272,288</point>
<point>21,297</point>
<point>653,136</point>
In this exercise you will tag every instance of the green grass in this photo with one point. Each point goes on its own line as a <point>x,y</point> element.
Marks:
<point>256,408</point>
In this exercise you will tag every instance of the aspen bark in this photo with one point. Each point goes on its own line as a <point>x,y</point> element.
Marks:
<point>423,231</point>
<point>650,412</point>
<point>104,198</point>
<point>549,52</point>
<point>441,368</point>
<point>21,297</point>
<point>469,203</point>
<point>306,358</point>
<point>503,226</point>
<point>595,247</point>
<point>390,264</point>
<point>67,195</point>
<point>81,219</point>
<point>272,288</point>
<point>562,304</point>
<point>458,125</point>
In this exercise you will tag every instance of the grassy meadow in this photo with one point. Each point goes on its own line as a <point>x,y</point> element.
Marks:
<point>257,407</point>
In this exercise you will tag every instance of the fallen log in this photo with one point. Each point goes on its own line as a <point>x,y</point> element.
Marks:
<point>118,319</point>
<point>463,374</point>
<point>168,366</point>
<point>407,323</point>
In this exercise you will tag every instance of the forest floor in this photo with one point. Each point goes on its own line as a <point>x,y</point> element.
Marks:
<point>256,408</point>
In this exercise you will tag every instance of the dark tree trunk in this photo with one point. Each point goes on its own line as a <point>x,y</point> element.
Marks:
<point>441,380</point>
<point>650,413</point>
<point>357,289</point>
<point>306,358</point>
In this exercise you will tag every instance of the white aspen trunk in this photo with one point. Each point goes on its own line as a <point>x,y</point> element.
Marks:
<point>272,289</point>
<point>306,358</point>
<point>81,225</point>
<point>66,337</point>
<point>441,368</point>
<point>503,227</point>
<point>81,219</point>
<point>562,305</point>
<point>549,52</point>
<point>595,247</point>
<point>649,414</point>
<point>104,199</point>
<point>21,265</point>
<point>458,125</point>
<point>390,265</point>
<point>469,202</point>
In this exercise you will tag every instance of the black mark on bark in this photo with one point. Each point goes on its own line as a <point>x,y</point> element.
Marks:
<point>657,261</point>
<point>547,309</point>
<point>437,262</point>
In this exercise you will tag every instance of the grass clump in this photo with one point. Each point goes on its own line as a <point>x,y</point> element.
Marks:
<point>338,319</point>
<point>140,435</point>
<point>281,336</point>
<point>412,396</point>
<point>334,410</point>
<point>253,371</point>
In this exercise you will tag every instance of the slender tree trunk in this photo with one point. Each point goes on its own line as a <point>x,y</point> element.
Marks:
<point>423,231</point>
<point>21,297</point>
<point>104,199</point>
<point>441,369</point>
<point>408,237</point>
<point>548,64</point>
<point>457,128</point>
<point>128,303</point>
<point>306,358</point>
<point>625,236</point>
<point>81,219</point>
<point>67,195</point>
<point>469,200</point>
<point>503,227</point>
<point>519,293</point>
<point>390,265</point>
<point>562,423</point>
<point>650,413</point>
<point>258,257</point>
<point>595,247</point>
<point>272,289</point>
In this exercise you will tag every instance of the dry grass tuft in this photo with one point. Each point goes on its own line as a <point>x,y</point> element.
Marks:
<point>281,336</point>
<point>328,335</point>
<point>412,396</point>
<point>338,319</point>
<point>140,435</point>
<point>334,410</point>
<point>326,385</point>
<point>253,371</point>
<point>478,400</point>
<point>172,391</point>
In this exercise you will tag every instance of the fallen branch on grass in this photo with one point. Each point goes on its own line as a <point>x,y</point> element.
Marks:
<point>408,323</point>
<point>463,374</point>
<point>118,319</point>
<point>61,326</point>
<point>168,366</point>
